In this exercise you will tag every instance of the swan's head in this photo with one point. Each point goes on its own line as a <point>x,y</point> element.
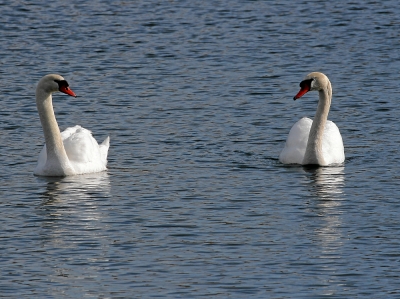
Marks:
<point>313,81</point>
<point>53,83</point>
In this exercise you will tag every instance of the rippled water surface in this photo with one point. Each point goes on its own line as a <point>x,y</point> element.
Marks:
<point>197,99</point>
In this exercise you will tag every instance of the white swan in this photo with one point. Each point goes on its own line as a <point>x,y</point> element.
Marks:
<point>318,142</point>
<point>73,151</point>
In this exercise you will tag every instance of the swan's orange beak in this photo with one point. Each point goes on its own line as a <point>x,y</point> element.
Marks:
<point>68,91</point>
<point>304,89</point>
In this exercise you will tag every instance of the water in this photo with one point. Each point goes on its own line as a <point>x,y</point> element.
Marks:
<point>197,99</point>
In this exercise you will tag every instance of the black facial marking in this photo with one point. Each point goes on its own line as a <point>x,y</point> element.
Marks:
<point>306,83</point>
<point>61,83</point>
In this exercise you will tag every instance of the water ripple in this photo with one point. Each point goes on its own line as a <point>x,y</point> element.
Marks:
<point>196,97</point>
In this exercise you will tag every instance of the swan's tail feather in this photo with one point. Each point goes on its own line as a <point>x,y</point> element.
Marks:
<point>106,142</point>
<point>104,149</point>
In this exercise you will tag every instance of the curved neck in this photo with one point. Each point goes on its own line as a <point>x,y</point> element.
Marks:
<point>57,162</point>
<point>313,154</point>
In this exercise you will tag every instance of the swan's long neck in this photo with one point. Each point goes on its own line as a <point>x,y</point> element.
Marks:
<point>313,154</point>
<point>57,159</point>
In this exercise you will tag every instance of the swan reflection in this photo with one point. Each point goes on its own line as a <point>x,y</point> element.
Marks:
<point>77,187</point>
<point>328,182</point>
<point>74,197</point>
<point>73,220</point>
<point>326,230</point>
<point>327,187</point>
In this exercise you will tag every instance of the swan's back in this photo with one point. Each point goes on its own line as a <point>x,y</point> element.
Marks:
<point>296,143</point>
<point>332,144</point>
<point>84,153</point>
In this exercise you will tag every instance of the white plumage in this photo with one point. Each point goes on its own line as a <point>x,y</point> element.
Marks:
<point>84,153</point>
<point>296,143</point>
<point>317,142</point>
<point>74,151</point>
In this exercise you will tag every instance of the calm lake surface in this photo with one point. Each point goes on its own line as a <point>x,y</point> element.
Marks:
<point>197,99</point>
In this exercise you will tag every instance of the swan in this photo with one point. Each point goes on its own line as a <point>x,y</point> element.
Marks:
<point>74,151</point>
<point>315,142</point>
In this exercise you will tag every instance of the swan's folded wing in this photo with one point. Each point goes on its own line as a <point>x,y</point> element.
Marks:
<point>332,144</point>
<point>41,160</point>
<point>296,143</point>
<point>80,145</point>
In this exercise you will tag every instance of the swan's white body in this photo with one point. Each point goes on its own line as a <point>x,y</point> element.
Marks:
<point>318,142</point>
<point>74,151</point>
<point>296,143</point>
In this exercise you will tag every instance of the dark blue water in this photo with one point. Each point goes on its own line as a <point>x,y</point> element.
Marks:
<point>197,99</point>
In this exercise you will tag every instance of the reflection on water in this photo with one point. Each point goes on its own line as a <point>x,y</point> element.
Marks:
<point>78,187</point>
<point>73,200</point>
<point>196,96</point>
<point>72,222</point>
<point>327,188</point>
<point>328,183</point>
